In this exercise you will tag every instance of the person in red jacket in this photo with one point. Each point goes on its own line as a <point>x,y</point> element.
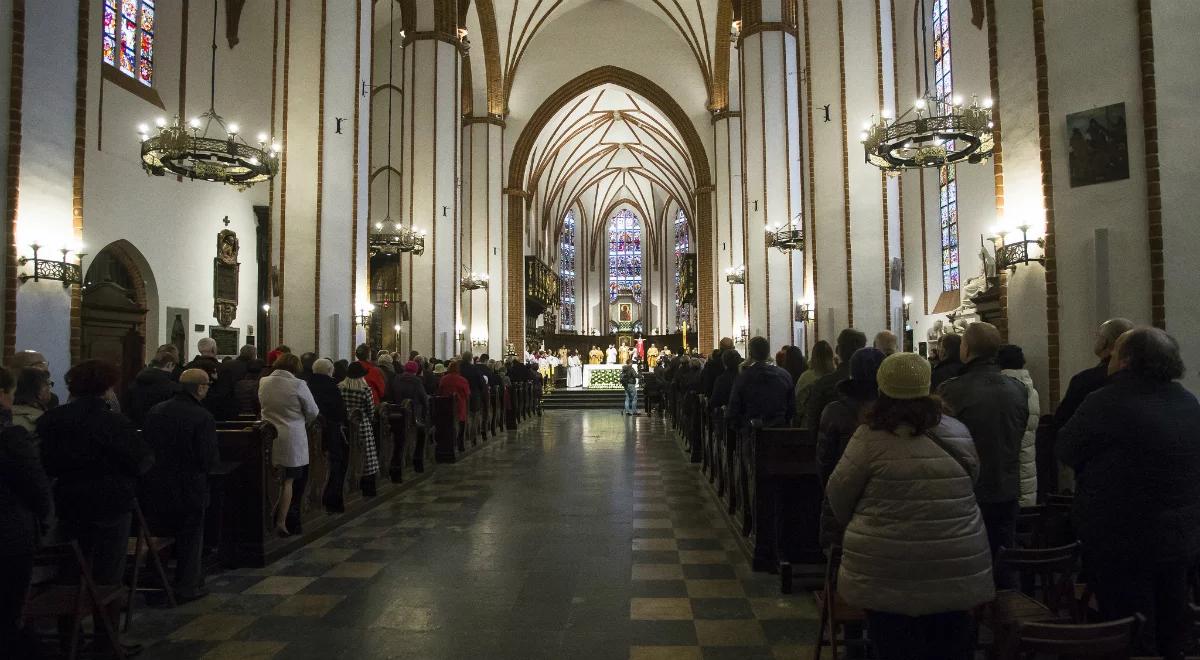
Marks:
<point>454,383</point>
<point>374,376</point>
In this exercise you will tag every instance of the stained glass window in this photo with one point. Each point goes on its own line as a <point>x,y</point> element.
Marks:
<point>683,313</point>
<point>625,254</point>
<point>128,38</point>
<point>566,270</point>
<point>947,177</point>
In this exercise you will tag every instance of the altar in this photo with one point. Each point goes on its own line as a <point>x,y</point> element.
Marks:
<point>602,376</point>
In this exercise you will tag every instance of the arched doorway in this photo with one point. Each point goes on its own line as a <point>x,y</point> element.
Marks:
<point>116,310</point>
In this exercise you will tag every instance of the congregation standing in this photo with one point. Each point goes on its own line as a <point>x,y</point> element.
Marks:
<point>926,466</point>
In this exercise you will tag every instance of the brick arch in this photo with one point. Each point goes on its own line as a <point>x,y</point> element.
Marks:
<point>517,195</point>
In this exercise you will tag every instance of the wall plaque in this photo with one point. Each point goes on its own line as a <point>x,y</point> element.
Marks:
<point>226,338</point>
<point>225,278</point>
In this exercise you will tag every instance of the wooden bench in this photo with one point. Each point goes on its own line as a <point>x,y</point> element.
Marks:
<point>444,419</point>
<point>784,497</point>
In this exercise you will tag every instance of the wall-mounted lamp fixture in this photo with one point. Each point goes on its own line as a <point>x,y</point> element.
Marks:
<point>49,269</point>
<point>788,237</point>
<point>743,335</point>
<point>479,339</point>
<point>1010,255</point>
<point>472,281</point>
<point>907,307</point>
<point>804,312</point>
<point>735,274</point>
<point>266,308</point>
<point>364,315</point>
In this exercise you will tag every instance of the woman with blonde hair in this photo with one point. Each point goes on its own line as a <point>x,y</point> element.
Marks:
<point>289,406</point>
<point>360,413</point>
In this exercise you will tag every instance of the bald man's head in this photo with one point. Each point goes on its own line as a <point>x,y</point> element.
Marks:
<point>1106,338</point>
<point>195,382</point>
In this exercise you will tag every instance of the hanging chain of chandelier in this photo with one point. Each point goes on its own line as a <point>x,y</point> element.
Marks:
<point>388,237</point>
<point>198,150</point>
<point>940,131</point>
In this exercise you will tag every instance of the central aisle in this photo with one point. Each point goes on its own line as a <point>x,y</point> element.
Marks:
<point>585,535</point>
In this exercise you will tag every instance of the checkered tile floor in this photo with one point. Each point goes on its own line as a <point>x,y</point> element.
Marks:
<point>584,535</point>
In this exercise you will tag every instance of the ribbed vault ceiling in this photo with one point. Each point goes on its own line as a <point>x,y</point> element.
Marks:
<point>606,146</point>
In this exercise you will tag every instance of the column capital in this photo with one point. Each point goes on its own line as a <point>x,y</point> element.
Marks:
<point>490,118</point>
<point>517,192</point>
<point>725,113</point>
<point>434,35</point>
<point>759,28</point>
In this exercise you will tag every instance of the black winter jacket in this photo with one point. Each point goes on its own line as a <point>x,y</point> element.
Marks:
<point>24,493</point>
<point>995,409</point>
<point>839,421</point>
<point>151,387</point>
<point>96,455</point>
<point>1135,446</point>
<point>183,436</point>
<point>408,387</point>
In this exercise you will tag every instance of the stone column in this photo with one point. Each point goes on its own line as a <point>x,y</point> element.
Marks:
<point>430,184</point>
<point>770,165</point>
<point>729,246</point>
<point>483,309</point>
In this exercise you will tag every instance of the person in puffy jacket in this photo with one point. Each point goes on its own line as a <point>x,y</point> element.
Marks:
<point>915,554</point>
<point>1012,364</point>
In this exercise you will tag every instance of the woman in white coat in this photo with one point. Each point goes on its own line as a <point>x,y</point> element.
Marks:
<point>1012,363</point>
<point>288,405</point>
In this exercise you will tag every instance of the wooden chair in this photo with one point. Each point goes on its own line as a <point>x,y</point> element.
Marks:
<point>1049,575</point>
<point>72,594</point>
<point>144,545</point>
<point>835,613</point>
<point>1108,641</point>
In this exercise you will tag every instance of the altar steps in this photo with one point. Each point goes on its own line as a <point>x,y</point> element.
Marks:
<point>581,399</point>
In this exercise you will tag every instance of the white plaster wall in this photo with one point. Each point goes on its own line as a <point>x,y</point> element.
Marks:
<point>47,150</point>
<point>1074,37</point>
<point>828,244</point>
<point>1176,52</point>
<point>337,204</point>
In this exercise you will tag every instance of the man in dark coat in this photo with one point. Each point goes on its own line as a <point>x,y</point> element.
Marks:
<point>152,386</point>
<point>949,363</point>
<point>334,444</point>
<point>824,391</point>
<point>762,391</point>
<point>1093,378</point>
<point>731,361</point>
<point>174,492</point>
<point>713,368</point>
<point>407,386</point>
<point>24,505</point>
<point>1134,445</point>
<point>995,408</point>
<point>467,369</point>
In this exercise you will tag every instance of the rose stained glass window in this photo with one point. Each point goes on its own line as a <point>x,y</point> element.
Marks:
<point>127,40</point>
<point>625,254</point>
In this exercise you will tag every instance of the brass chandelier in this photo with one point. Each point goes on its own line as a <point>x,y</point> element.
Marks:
<point>941,133</point>
<point>190,151</point>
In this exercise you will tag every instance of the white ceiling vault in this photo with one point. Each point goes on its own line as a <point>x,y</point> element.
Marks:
<point>518,23</point>
<point>608,145</point>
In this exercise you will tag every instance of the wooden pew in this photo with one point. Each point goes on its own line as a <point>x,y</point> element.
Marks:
<point>705,435</point>
<point>402,433</point>
<point>445,429</point>
<point>692,427</point>
<point>785,497</point>
<point>496,409</point>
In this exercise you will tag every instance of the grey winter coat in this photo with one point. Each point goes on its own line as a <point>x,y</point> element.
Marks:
<point>914,542</point>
